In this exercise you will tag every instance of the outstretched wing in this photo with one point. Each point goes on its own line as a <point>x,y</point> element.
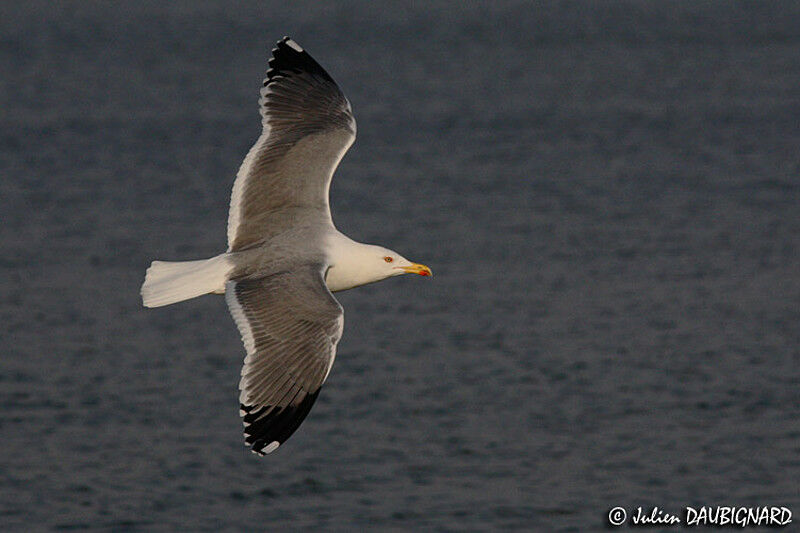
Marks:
<point>308,127</point>
<point>290,324</point>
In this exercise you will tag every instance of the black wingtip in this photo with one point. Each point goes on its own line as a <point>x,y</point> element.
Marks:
<point>289,57</point>
<point>266,428</point>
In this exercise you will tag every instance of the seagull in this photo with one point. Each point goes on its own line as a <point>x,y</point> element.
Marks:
<point>285,257</point>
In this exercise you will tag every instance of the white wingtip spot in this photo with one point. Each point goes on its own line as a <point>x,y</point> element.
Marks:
<point>271,447</point>
<point>296,47</point>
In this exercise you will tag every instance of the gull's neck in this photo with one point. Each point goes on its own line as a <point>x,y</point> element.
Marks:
<point>351,263</point>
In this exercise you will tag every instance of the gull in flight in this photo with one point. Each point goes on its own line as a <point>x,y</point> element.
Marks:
<point>285,256</point>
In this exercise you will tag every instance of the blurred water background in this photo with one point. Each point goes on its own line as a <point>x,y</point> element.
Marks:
<point>607,193</point>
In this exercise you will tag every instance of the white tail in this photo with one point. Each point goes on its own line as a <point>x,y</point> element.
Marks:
<point>170,282</point>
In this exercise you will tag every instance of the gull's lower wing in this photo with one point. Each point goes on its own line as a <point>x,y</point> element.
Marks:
<point>290,325</point>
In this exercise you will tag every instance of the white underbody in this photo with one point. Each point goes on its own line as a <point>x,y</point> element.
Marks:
<point>349,264</point>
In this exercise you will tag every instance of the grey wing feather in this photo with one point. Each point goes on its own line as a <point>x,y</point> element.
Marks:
<point>290,324</point>
<point>308,127</point>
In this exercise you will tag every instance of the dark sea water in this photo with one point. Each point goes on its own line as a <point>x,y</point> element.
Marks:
<point>608,194</point>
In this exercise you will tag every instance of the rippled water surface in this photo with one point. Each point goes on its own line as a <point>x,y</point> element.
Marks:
<point>608,196</point>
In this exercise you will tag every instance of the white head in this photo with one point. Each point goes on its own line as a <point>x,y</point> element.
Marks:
<point>395,264</point>
<point>352,266</point>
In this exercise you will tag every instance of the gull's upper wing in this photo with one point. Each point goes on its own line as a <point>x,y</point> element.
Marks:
<point>308,127</point>
<point>290,324</point>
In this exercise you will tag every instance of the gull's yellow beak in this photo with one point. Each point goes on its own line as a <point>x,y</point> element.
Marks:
<point>416,268</point>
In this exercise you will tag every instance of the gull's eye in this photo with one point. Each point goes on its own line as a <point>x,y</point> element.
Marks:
<point>388,259</point>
